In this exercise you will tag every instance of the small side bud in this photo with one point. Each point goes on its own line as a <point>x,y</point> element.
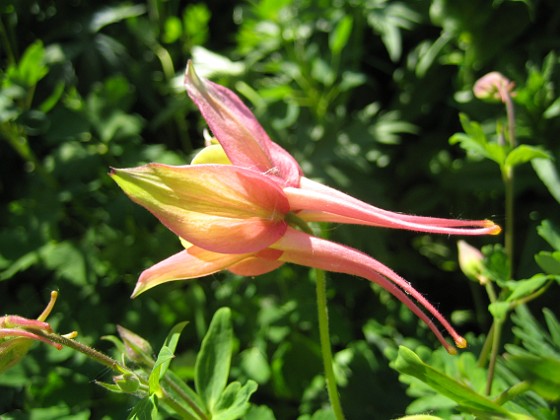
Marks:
<point>127,382</point>
<point>137,349</point>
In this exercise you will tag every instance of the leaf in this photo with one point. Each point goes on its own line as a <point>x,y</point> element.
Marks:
<point>543,373</point>
<point>113,14</point>
<point>234,401</point>
<point>525,153</point>
<point>547,173</point>
<point>31,68</point>
<point>66,260</point>
<point>213,360</point>
<point>162,363</point>
<point>496,264</point>
<point>338,38</point>
<point>145,409</point>
<point>549,233</point>
<point>260,412</point>
<point>165,356</point>
<point>522,288</point>
<point>408,363</point>
<point>553,326</point>
<point>549,261</point>
<point>474,141</point>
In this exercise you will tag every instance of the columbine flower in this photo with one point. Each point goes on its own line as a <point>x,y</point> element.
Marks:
<point>239,206</point>
<point>18,333</point>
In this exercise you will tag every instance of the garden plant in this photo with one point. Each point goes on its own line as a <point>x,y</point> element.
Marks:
<point>202,200</point>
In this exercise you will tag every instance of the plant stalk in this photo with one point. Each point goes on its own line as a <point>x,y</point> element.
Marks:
<point>323,316</point>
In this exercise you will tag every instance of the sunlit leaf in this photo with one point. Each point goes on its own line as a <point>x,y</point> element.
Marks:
<point>409,363</point>
<point>213,360</point>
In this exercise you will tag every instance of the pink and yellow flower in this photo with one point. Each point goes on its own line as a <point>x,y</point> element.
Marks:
<point>17,334</point>
<point>238,208</point>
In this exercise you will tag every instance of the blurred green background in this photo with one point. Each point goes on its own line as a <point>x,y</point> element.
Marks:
<point>365,94</point>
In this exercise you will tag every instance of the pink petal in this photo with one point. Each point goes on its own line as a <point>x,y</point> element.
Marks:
<point>238,131</point>
<point>190,263</point>
<point>221,208</point>
<point>263,262</point>
<point>24,335</point>
<point>303,249</point>
<point>319,203</point>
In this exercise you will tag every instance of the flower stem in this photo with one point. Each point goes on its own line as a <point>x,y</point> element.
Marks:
<point>323,315</point>
<point>496,336</point>
<point>88,351</point>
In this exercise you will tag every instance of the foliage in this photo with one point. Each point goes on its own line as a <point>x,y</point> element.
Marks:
<point>366,95</point>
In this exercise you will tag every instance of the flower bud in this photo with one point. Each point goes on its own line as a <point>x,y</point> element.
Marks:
<point>127,382</point>
<point>137,349</point>
<point>471,261</point>
<point>493,86</point>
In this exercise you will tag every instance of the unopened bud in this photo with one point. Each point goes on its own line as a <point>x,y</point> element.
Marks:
<point>493,86</point>
<point>137,349</point>
<point>471,261</point>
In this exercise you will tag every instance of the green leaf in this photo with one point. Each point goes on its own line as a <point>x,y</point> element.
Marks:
<point>172,29</point>
<point>165,356</point>
<point>522,288</point>
<point>234,401</point>
<point>260,412</point>
<point>474,141</point>
<point>408,363</point>
<point>553,326</point>
<point>255,365</point>
<point>338,38</point>
<point>31,68</point>
<point>549,233</point>
<point>542,372</point>
<point>145,409</point>
<point>548,174</point>
<point>66,260</point>
<point>496,264</point>
<point>525,153</point>
<point>213,360</point>
<point>549,261</point>
<point>162,363</point>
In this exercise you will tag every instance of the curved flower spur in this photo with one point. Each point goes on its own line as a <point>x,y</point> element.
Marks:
<point>239,205</point>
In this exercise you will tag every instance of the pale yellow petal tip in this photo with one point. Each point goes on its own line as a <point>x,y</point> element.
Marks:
<point>494,228</point>
<point>138,289</point>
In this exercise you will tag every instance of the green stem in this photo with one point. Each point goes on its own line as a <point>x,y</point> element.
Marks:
<point>497,332</point>
<point>175,387</point>
<point>177,407</point>
<point>321,288</point>
<point>485,351</point>
<point>513,392</point>
<point>507,174</point>
<point>117,367</point>
<point>88,351</point>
